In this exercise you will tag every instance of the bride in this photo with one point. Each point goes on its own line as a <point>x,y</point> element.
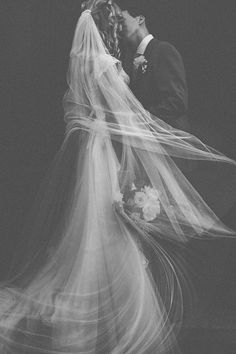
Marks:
<point>113,198</point>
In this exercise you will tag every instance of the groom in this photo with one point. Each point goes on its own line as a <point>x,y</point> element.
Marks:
<point>156,69</point>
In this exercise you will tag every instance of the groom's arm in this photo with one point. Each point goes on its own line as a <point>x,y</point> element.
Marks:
<point>170,83</point>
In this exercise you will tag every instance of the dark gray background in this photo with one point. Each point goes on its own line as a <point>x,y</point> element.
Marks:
<point>36,38</point>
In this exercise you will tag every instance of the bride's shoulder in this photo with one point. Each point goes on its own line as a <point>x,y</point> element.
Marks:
<point>107,58</point>
<point>118,65</point>
<point>103,62</point>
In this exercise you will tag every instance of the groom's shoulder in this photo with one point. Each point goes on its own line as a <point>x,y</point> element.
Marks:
<point>163,48</point>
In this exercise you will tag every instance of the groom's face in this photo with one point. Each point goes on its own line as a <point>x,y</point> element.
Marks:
<point>130,26</point>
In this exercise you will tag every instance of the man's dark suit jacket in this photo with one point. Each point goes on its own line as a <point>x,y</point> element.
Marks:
<point>162,89</point>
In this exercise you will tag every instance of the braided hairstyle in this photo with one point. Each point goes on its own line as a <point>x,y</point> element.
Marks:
<point>108,21</point>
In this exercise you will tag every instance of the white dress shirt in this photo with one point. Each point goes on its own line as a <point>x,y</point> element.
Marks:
<point>144,43</point>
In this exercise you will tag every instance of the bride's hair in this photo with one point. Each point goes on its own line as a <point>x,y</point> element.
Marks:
<point>108,21</point>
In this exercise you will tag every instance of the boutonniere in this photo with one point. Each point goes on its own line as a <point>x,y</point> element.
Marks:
<point>142,62</point>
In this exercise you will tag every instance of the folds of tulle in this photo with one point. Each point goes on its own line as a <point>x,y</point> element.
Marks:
<point>94,294</point>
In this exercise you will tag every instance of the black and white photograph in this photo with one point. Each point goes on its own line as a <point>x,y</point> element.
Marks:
<point>118,177</point>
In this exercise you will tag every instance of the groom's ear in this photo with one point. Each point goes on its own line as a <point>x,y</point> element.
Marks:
<point>141,19</point>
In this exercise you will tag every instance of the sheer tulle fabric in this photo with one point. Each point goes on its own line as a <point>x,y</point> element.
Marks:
<point>84,284</point>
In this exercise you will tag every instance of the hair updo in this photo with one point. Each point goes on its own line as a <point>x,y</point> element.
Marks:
<point>108,21</point>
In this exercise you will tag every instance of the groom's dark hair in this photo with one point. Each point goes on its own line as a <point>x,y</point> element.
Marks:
<point>135,7</point>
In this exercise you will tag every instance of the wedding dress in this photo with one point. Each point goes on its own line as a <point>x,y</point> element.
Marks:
<point>84,284</point>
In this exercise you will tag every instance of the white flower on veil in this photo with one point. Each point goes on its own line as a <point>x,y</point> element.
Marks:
<point>140,199</point>
<point>152,193</point>
<point>118,197</point>
<point>141,203</point>
<point>151,210</point>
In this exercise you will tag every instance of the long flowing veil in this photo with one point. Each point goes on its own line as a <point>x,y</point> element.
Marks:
<point>86,282</point>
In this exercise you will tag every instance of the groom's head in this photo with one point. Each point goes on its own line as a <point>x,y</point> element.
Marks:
<point>134,21</point>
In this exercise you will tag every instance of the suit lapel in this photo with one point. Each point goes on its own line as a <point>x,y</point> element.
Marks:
<point>149,47</point>
<point>139,83</point>
<point>139,75</point>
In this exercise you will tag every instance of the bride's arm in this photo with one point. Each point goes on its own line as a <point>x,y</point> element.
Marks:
<point>123,74</point>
